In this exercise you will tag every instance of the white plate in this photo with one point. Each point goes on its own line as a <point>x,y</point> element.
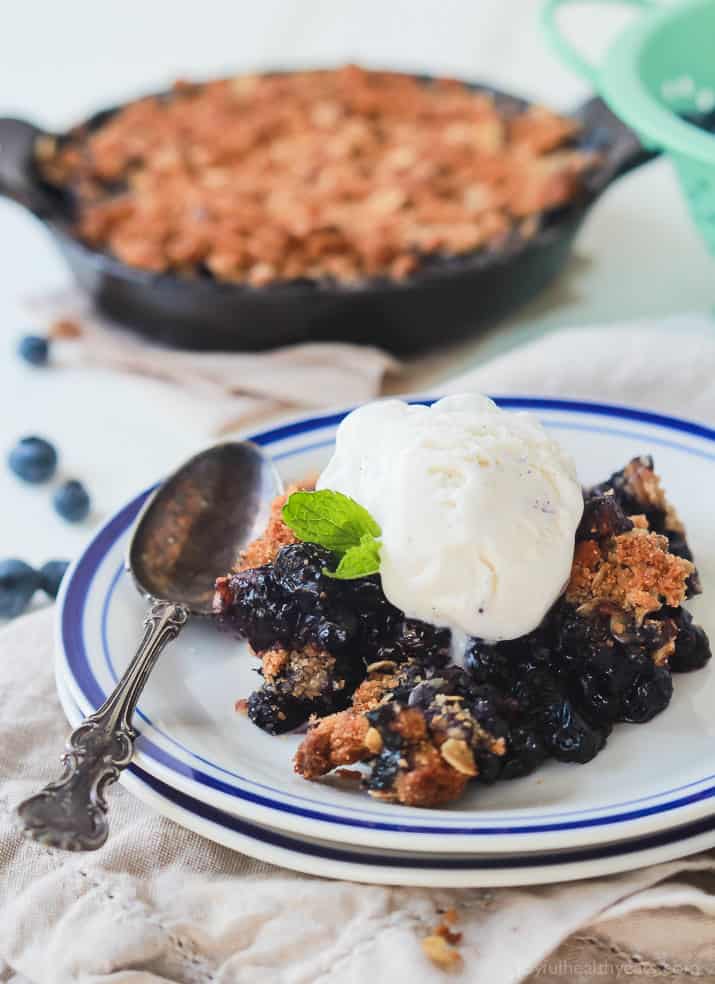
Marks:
<point>649,778</point>
<point>316,857</point>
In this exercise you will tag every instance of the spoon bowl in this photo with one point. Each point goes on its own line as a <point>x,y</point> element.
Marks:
<point>196,523</point>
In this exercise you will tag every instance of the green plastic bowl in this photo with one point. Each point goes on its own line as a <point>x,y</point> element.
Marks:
<point>660,68</point>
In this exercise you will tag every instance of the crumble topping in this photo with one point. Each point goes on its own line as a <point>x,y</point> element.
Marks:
<point>633,571</point>
<point>637,490</point>
<point>422,755</point>
<point>308,672</point>
<point>458,754</point>
<point>350,775</point>
<point>645,486</point>
<point>425,779</point>
<point>340,174</point>
<point>274,661</point>
<point>369,694</point>
<point>336,740</point>
<point>264,548</point>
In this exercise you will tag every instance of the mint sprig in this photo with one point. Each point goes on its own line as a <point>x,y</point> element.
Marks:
<point>338,523</point>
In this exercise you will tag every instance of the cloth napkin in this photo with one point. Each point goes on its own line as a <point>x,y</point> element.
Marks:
<point>236,387</point>
<point>159,904</point>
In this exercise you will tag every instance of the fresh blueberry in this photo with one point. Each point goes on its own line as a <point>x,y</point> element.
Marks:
<point>51,575</point>
<point>18,583</point>
<point>34,349</point>
<point>71,501</point>
<point>33,459</point>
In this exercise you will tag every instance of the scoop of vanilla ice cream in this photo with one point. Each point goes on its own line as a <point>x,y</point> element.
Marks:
<point>478,509</point>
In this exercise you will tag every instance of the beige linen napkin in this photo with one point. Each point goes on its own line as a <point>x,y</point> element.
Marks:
<point>240,387</point>
<point>666,365</point>
<point>158,904</point>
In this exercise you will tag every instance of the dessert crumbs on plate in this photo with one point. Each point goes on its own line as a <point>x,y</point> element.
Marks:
<point>352,775</point>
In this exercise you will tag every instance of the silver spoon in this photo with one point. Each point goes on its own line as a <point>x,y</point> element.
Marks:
<point>190,530</point>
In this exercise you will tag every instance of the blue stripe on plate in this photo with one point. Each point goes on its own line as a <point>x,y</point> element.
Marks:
<point>547,859</point>
<point>511,403</point>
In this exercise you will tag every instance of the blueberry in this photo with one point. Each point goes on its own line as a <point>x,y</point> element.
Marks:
<point>366,594</point>
<point>649,695</point>
<point>260,610</point>
<point>33,349</point>
<point>602,517</point>
<point>18,583</point>
<point>71,501</point>
<point>33,459</point>
<point>525,752</point>
<point>51,575</point>
<point>385,770</point>
<point>597,696</point>
<point>489,766</point>
<point>537,690</point>
<point>419,640</point>
<point>336,630</point>
<point>568,737</point>
<point>692,649</point>
<point>423,694</point>
<point>488,663</point>
<point>276,713</point>
<point>298,569</point>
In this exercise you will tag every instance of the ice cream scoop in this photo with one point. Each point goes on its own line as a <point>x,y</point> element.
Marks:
<point>478,509</point>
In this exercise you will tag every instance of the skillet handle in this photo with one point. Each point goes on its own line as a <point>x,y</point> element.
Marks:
<point>18,178</point>
<point>609,134</point>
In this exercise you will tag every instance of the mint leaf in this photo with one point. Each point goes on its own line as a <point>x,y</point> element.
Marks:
<point>340,524</point>
<point>359,561</point>
<point>331,519</point>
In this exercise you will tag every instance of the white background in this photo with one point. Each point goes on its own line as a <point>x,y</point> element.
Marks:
<point>637,255</point>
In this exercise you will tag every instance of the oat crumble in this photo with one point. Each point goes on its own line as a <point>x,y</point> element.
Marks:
<point>341,174</point>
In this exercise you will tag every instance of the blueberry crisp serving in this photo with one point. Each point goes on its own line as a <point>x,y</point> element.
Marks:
<point>447,604</point>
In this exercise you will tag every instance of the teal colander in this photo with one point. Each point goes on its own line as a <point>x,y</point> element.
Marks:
<point>661,68</point>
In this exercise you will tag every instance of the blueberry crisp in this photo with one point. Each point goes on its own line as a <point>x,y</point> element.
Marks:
<point>379,688</point>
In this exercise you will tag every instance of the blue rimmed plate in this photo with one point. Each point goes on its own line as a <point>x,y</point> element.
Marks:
<point>649,778</point>
<point>383,867</point>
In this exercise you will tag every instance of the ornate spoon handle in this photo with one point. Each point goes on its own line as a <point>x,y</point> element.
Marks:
<point>71,813</point>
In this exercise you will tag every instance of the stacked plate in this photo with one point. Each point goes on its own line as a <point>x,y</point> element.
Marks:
<point>648,797</point>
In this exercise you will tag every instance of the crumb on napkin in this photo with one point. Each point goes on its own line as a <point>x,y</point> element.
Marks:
<point>440,945</point>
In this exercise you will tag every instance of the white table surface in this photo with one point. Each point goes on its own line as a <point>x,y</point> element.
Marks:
<point>636,256</point>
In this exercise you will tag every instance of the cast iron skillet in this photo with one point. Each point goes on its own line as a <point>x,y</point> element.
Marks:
<point>445,300</point>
